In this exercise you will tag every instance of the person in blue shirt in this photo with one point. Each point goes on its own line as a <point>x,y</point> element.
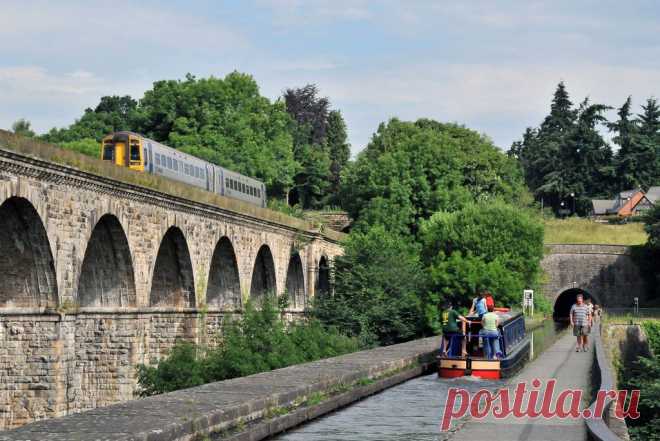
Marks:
<point>479,305</point>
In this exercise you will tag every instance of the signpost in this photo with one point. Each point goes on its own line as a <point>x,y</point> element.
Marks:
<point>528,301</point>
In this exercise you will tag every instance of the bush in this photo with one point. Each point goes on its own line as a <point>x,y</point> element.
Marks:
<point>490,245</point>
<point>259,341</point>
<point>379,290</point>
<point>643,375</point>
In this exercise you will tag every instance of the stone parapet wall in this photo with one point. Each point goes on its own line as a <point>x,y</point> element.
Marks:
<point>607,272</point>
<point>252,407</point>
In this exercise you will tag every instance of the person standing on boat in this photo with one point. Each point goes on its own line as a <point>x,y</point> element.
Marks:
<point>479,305</point>
<point>451,334</point>
<point>581,322</point>
<point>490,334</point>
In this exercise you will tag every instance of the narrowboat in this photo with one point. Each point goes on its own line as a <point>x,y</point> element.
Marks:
<point>514,349</point>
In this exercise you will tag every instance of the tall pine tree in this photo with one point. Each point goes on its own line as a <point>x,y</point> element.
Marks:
<point>649,139</point>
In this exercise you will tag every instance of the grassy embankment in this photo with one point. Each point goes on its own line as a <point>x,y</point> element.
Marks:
<point>585,231</point>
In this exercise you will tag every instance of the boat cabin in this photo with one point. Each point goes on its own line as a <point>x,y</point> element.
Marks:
<point>513,350</point>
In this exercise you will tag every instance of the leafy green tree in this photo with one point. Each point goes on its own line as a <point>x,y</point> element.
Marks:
<point>224,121</point>
<point>488,245</point>
<point>22,127</point>
<point>309,127</point>
<point>380,292</point>
<point>410,170</point>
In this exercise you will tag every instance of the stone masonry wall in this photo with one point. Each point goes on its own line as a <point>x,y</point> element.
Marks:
<point>606,272</point>
<point>63,350</point>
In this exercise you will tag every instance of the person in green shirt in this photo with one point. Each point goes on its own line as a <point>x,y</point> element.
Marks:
<point>451,334</point>
<point>490,334</point>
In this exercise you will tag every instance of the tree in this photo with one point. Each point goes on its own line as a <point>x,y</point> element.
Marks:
<point>488,245</point>
<point>410,170</point>
<point>22,127</point>
<point>649,137</point>
<point>224,121</point>
<point>310,126</point>
<point>636,159</point>
<point>380,292</point>
<point>339,151</point>
<point>566,155</point>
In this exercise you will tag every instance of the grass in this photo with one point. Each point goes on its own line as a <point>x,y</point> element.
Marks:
<point>585,231</point>
<point>52,153</point>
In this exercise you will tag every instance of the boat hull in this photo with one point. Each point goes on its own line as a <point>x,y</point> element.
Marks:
<point>451,367</point>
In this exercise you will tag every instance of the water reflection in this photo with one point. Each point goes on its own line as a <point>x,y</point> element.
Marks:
<point>409,411</point>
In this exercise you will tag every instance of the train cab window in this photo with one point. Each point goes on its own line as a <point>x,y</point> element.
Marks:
<point>135,152</point>
<point>108,150</point>
<point>169,163</point>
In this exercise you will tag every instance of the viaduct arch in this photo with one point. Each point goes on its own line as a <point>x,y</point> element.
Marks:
<point>99,276</point>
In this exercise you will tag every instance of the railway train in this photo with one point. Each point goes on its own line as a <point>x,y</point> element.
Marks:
<point>136,152</point>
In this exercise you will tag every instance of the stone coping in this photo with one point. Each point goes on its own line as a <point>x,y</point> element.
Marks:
<point>597,427</point>
<point>49,312</point>
<point>85,170</point>
<point>241,408</point>
<point>570,248</point>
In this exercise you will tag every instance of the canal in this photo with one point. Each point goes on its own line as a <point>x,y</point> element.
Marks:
<point>409,411</point>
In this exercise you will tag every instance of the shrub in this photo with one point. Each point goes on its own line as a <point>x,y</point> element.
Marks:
<point>490,245</point>
<point>259,341</point>
<point>380,290</point>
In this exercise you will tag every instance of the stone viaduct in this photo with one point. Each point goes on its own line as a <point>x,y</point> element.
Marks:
<point>607,273</point>
<point>98,275</point>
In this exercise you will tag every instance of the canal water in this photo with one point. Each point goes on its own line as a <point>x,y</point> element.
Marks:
<point>409,411</point>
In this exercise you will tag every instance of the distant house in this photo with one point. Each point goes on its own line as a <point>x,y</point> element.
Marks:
<point>627,203</point>
<point>653,195</point>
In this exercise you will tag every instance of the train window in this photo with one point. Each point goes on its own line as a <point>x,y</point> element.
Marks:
<point>135,152</point>
<point>157,157</point>
<point>227,182</point>
<point>243,188</point>
<point>175,165</point>
<point>169,163</point>
<point>198,172</point>
<point>144,153</point>
<point>107,152</point>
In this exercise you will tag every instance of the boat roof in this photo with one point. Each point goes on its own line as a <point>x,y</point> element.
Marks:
<point>504,316</point>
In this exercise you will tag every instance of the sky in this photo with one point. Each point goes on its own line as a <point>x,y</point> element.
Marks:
<point>490,65</point>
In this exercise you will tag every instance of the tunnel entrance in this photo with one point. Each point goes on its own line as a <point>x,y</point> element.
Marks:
<point>295,282</point>
<point>566,300</point>
<point>224,289</point>
<point>263,274</point>
<point>26,263</point>
<point>106,277</point>
<point>172,283</point>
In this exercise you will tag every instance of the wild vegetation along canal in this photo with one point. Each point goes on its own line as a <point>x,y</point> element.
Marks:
<point>409,411</point>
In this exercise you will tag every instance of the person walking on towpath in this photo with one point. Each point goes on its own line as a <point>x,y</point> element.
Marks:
<point>451,334</point>
<point>581,322</point>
